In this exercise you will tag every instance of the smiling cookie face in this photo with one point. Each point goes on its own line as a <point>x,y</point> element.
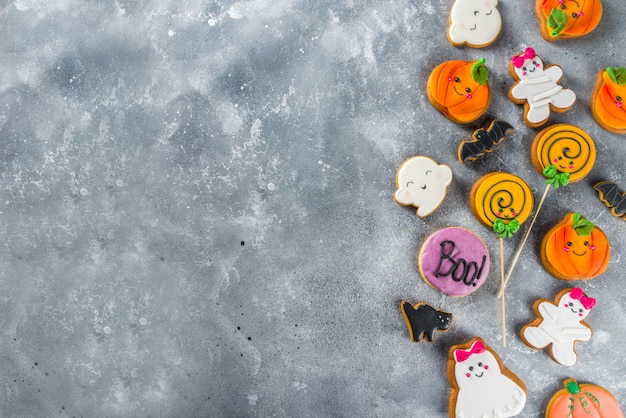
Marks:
<point>569,18</point>
<point>422,183</point>
<point>573,309</point>
<point>476,23</point>
<point>531,68</point>
<point>479,367</point>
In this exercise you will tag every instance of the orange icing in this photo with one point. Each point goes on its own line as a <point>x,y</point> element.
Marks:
<point>450,96</point>
<point>567,147</point>
<point>501,196</point>
<point>582,16</point>
<point>604,103</point>
<point>564,405</point>
<point>570,256</point>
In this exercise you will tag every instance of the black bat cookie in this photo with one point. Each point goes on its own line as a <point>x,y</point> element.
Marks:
<point>484,140</point>
<point>423,319</point>
<point>611,196</point>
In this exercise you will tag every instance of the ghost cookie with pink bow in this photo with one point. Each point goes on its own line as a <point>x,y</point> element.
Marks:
<point>538,88</point>
<point>560,324</point>
<point>481,386</point>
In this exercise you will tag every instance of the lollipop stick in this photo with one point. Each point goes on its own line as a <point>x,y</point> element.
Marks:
<point>521,246</point>
<point>502,283</point>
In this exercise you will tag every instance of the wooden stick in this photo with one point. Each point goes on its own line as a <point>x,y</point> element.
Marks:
<point>502,282</point>
<point>521,246</point>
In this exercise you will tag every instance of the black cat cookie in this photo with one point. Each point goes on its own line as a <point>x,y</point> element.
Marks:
<point>424,320</point>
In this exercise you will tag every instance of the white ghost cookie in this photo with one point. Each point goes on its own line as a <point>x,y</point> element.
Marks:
<point>538,88</point>
<point>560,324</point>
<point>475,23</point>
<point>422,183</point>
<point>481,386</point>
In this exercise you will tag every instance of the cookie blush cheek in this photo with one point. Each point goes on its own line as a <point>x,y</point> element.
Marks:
<point>468,375</point>
<point>486,367</point>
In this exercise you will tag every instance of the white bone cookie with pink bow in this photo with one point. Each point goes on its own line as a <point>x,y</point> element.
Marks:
<point>560,324</point>
<point>537,88</point>
<point>481,386</point>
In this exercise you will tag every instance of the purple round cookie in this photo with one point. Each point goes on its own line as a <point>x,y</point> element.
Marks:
<point>455,261</point>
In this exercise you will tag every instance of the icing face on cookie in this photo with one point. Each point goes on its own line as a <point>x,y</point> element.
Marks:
<point>576,306</point>
<point>575,249</point>
<point>474,22</point>
<point>570,18</point>
<point>501,196</point>
<point>483,387</point>
<point>608,100</point>
<point>455,261</point>
<point>566,147</point>
<point>528,65</point>
<point>422,183</point>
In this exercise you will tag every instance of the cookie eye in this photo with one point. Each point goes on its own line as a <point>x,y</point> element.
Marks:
<point>468,90</point>
<point>476,12</point>
<point>569,243</point>
<point>524,69</point>
<point>534,63</point>
<point>580,310</point>
<point>560,157</point>
<point>512,210</point>
<point>480,365</point>
<point>562,7</point>
<point>571,304</point>
<point>457,79</point>
<point>574,15</point>
<point>586,243</point>
<point>618,98</point>
<point>471,368</point>
<point>409,183</point>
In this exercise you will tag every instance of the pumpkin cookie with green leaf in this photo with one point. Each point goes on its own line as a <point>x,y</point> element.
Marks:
<point>564,19</point>
<point>575,249</point>
<point>580,400</point>
<point>460,90</point>
<point>607,100</point>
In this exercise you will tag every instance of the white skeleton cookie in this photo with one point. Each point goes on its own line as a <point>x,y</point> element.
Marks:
<point>481,386</point>
<point>538,88</point>
<point>422,183</point>
<point>476,23</point>
<point>560,324</point>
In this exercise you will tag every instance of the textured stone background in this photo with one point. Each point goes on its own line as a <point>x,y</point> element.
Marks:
<point>197,218</point>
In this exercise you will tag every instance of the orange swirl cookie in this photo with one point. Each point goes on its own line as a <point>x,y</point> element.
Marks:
<point>567,148</point>
<point>607,100</point>
<point>460,90</point>
<point>583,400</point>
<point>501,196</point>
<point>575,249</point>
<point>564,19</point>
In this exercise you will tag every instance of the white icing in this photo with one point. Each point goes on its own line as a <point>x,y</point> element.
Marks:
<point>422,183</point>
<point>476,22</point>
<point>541,89</point>
<point>486,392</point>
<point>560,326</point>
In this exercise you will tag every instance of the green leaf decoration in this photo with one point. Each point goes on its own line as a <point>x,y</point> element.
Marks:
<point>572,387</point>
<point>479,72</point>
<point>505,230</point>
<point>556,22</point>
<point>617,75</point>
<point>555,178</point>
<point>582,226</point>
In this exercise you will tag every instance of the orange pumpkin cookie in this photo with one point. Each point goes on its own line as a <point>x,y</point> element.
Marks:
<point>501,201</point>
<point>575,249</point>
<point>460,90</point>
<point>564,19</point>
<point>583,400</point>
<point>607,100</point>
<point>563,153</point>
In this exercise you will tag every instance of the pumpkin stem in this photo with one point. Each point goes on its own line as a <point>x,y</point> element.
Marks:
<point>611,72</point>
<point>572,387</point>
<point>582,226</point>
<point>479,72</point>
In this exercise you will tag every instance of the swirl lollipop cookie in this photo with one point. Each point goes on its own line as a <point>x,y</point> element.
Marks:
<point>562,153</point>
<point>501,201</point>
<point>538,88</point>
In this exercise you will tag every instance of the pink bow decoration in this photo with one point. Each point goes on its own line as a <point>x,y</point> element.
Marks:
<point>577,293</point>
<point>461,355</point>
<point>518,60</point>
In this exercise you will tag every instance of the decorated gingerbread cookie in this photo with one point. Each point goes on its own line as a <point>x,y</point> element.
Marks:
<point>475,23</point>
<point>481,386</point>
<point>424,321</point>
<point>537,88</point>
<point>607,100</point>
<point>563,153</point>
<point>575,249</point>
<point>564,19</point>
<point>483,140</point>
<point>501,201</point>
<point>460,90</point>
<point>584,400</point>
<point>560,324</point>
<point>422,183</point>
<point>455,261</point>
<point>612,197</point>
